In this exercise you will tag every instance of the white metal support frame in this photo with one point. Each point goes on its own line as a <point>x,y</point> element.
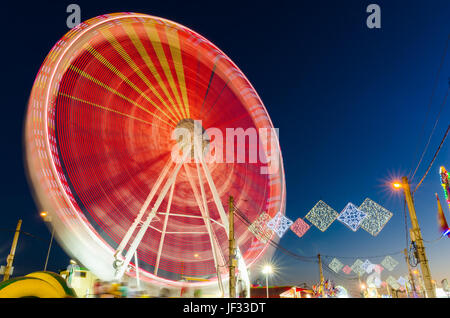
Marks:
<point>215,247</point>
<point>242,268</point>
<point>163,233</point>
<point>243,273</point>
<point>138,282</point>
<point>142,211</point>
<point>122,264</point>
<point>137,240</point>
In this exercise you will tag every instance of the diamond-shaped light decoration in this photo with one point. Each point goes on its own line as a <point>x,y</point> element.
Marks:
<point>376,218</point>
<point>402,281</point>
<point>259,228</point>
<point>356,267</point>
<point>279,224</point>
<point>300,227</point>
<point>378,268</point>
<point>389,263</point>
<point>352,217</point>
<point>347,269</point>
<point>321,215</point>
<point>335,265</point>
<point>367,266</point>
<point>392,282</point>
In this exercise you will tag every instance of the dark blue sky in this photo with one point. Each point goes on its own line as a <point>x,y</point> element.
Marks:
<point>349,103</point>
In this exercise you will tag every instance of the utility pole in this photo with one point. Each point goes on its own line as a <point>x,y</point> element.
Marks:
<point>322,287</point>
<point>10,258</point>
<point>411,277</point>
<point>426,273</point>
<point>232,249</point>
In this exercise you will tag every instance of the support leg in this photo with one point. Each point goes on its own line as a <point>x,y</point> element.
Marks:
<point>163,233</point>
<point>142,211</point>
<point>137,240</point>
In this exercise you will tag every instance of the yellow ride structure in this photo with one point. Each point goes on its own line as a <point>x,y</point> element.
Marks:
<point>36,285</point>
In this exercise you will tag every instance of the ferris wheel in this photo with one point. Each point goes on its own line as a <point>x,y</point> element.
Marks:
<point>127,193</point>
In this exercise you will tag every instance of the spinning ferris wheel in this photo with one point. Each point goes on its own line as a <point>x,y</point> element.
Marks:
<point>100,151</point>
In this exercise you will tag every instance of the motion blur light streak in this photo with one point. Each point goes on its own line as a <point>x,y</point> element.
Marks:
<point>445,184</point>
<point>99,133</point>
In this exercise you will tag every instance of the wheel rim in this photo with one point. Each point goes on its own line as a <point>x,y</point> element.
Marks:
<point>98,134</point>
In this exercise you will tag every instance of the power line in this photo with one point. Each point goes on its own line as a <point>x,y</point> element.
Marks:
<point>429,107</point>
<point>435,240</point>
<point>434,157</point>
<point>367,257</point>
<point>432,132</point>
<point>26,233</point>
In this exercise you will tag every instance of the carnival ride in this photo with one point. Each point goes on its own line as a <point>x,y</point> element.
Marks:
<point>101,138</point>
<point>38,284</point>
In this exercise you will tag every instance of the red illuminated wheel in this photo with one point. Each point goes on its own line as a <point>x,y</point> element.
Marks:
<point>100,146</point>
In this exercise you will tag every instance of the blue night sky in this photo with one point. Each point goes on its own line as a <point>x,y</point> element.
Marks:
<point>349,103</point>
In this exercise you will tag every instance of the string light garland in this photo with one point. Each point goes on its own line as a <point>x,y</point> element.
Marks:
<point>259,224</point>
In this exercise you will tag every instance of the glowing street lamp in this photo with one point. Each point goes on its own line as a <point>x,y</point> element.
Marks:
<point>267,270</point>
<point>396,185</point>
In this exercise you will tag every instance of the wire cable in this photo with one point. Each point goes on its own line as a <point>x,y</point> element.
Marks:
<point>435,240</point>
<point>26,233</point>
<point>429,106</point>
<point>434,157</point>
<point>373,256</point>
<point>432,132</point>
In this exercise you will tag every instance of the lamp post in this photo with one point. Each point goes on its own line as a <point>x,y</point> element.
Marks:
<point>426,273</point>
<point>267,269</point>
<point>48,219</point>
